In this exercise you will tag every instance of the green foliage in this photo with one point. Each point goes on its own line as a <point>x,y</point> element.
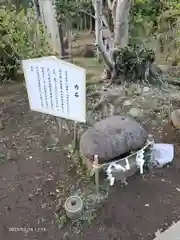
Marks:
<point>71,10</point>
<point>17,4</point>
<point>20,38</point>
<point>148,9</point>
<point>145,14</point>
<point>168,32</point>
<point>66,8</point>
<point>92,203</point>
<point>158,19</point>
<point>135,64</point>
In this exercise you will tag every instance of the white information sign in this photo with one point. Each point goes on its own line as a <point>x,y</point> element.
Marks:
<point>56,87</point>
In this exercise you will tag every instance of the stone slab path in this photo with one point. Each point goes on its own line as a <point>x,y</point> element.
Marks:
<point>172,233</point>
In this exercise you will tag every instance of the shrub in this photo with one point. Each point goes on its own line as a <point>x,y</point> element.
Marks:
<point>19,39</point>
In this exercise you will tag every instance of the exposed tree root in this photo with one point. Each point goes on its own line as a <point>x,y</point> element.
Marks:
<point>99,104</point>
<point>174,82</point>
<point>108,99</point>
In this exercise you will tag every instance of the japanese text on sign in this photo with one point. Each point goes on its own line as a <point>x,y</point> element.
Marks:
<point>56,87</point>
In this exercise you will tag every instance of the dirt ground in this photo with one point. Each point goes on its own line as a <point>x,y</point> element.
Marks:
<point>36,168</point>
<point>36,165</point>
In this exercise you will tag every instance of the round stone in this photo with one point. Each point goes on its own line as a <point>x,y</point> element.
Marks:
<point>73,206</point>
<point>112,137</point>
<point>135,112</point>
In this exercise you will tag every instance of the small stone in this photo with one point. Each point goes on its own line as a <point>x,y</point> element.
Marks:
<point>8,208</point>
<point>52,194</point>
<point>30,196</point>
<point>147,205</point>
<point>38,192</point>
<point>11,154</point>
<point>158,233</point>
<point>127,103</point>
<point>135,112</point>
<point>146,89</point>
<point>175,118</point>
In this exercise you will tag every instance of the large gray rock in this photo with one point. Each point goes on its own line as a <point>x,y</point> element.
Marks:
<point>112,137</point>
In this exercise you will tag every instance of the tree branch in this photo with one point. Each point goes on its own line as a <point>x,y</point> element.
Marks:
<point>17,55</point>
<point>99,41</point>
<point>104,19</point>
<point>104,54</point>
<point>87,13</point>
<point>109,4</point>
<point>174,82</point>
<point>113,11</point>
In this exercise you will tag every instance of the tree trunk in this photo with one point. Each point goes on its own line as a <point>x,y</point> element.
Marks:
<point>85,22</point>
<point>90,24</point>
<point>61,35</point>
<point>48,14</point>
<point>99,42</point>
<point>120,12</point>
<point>37,30</point>
<point>121,28</point>
<point>69,39</point>
<point>98,27</point>
<point>103,18</point>
<point>81,25</point>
